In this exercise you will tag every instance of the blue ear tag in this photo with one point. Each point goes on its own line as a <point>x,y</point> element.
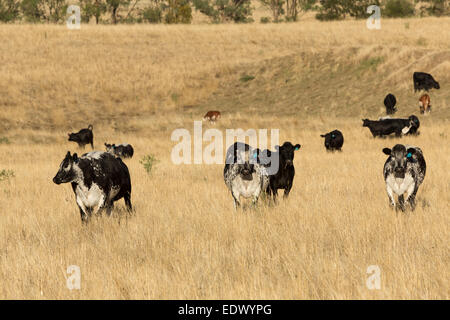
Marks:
<point>297,148</point>
<point>409,155</point>
<point>332,135</point>
<point>255,155</point>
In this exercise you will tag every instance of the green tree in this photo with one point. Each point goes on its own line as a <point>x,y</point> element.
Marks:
<point>276,7</point>
<point>44,10</point>
<point>177,11</point>
<point>294,7</point>
<point>239,11</point>
<point>437,7</point>
<point>92,8</point>
<point>398,8</point>
<point>9,10</point>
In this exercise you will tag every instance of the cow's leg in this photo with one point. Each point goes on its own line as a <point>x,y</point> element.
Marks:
<point>411,196</point>
<point>84,216</point>
<point>287,190</point>
<point>109,207</point>
<point>401,202</point>
<point>127,198</point>
<point>391,196</point>
<point>101,205</point>
<point>236,197</point>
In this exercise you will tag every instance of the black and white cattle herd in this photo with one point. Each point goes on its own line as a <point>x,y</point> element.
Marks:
<point>100,178</point>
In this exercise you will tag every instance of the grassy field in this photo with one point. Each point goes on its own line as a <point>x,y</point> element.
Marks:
<point>137,84</point>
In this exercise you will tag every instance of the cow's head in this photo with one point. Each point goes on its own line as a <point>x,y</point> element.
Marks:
<point>400,156</point>
<point>436,85</point>
<point>286,152</point>
<point>414,121</point>
<point>73,137</point>
<point>328,138</point>
<point>365,122</point>
<point>66,172</point>
<point>109,147</point>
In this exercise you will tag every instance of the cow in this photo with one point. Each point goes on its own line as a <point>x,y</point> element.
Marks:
<point>424,81</point>
<point>425,104</point>
<point>83,137</point>
<point>389,103</point>
<point>242,173</point>
<point>122,150</point>
<point>404,171</point>
<point>264,159</point>
<point>212,116</point>
<point>281,176</point>
<point>386,126</point>
<point>98,179</point>
<point>334,140</point>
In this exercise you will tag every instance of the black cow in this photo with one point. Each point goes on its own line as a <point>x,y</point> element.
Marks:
<point>403,172</point>
<point>121,150</point>
<point>334,140</point>
<point>389,103</point>
<point>424,81</point>
<point>83,137</point>
<point>242,173</point>
<point>386,126</point>
<point>98,180</point>
<point>283,175</point>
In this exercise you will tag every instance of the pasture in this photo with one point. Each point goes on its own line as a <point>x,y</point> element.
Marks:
<point>137,84</point>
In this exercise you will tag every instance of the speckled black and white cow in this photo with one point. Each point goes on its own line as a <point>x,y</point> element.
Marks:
<point>404,172</point>
<point>122,150</point>
<point>243,174</point>
<point>98,180</point>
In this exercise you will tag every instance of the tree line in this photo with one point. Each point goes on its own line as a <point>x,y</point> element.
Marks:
<point>218,11</point>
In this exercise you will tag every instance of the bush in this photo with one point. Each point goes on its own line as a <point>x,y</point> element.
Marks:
<point>265,20</point>
<point>398,8</point>
<point>6,174</point>
<point>149,161</point>
<point>4,140</point>
<point>178,11</point>
<point>9,10</point>
<point>152,15</point>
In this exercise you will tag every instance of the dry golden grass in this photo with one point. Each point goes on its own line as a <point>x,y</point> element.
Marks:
<point>137,84</point>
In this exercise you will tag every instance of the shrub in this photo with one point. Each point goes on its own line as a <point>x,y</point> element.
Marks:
<point>4,140</point>
<point>265,20</point>
<point>246,78</point>
<point>398,8</point>
<point>152,14</point>
<point>9,10</point>
<point>6,174</point>
<point>149,161</point>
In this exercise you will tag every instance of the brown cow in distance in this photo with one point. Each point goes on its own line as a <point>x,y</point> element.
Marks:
<point>425,104</point>
<point>212,116</point>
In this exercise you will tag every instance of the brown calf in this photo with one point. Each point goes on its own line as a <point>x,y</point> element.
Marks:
<point>424,103</point>
<point>212,116</point>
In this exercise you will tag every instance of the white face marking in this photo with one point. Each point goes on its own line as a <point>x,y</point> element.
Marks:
<point>406,129</point>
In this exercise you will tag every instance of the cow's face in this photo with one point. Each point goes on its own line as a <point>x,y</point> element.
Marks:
<point>109,147</point>
<point>66,172</point>
<point>287,152</point>
<point>73,137</point>
<point>365,122</point>
<point>400,156</point>
<point>328,138</point>
<point>436,85</point>
<point>414,121</point>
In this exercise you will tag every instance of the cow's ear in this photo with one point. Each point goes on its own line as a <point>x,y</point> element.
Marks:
<point>68,134</point>
<point>75,157</point>
<point>297,147</point>
<point>387,151</point>
<point>68,154</point>
<point>322,135</point>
